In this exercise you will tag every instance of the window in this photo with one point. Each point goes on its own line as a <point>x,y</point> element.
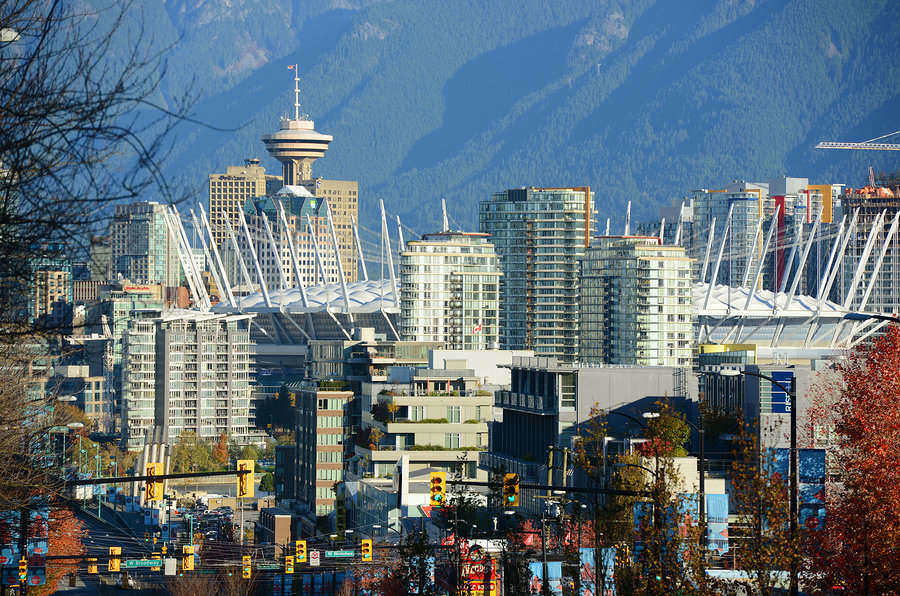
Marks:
<point>451,440</point>
<point>453,414</point>
<point>416,413</point>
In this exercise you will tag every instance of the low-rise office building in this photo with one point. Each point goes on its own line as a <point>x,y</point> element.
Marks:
<point>438,418</point>
<point>550,404</point>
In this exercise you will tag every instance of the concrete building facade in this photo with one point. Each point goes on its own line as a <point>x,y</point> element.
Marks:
<point>550,403</point>
<point>323,442</point>
<point>439,419</point>
<point>229,192</point>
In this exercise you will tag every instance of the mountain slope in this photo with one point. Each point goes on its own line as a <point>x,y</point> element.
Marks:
<point>643,100</point>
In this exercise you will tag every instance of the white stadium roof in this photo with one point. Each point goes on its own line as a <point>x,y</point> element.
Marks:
<point>732,301</point>
<point>365,297</point>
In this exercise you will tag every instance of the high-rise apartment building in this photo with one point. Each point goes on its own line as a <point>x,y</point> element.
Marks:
<point>748,203</point>
<point>50,292</point>
<point>100,263</point>
<point>185,371</point>
<point>143,251</point>
<point>450,291</point>
<point>884,294</point>
<point>539,235</point>
<point>636,303</point>
<point>229,192</point>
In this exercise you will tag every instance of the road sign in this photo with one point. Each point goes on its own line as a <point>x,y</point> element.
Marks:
<point>268,567</point>
<point>134,563</point>
<point>314,558</point>
<point>339,554</point>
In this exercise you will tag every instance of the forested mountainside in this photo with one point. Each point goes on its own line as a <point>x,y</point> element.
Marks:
<point>641,99</point>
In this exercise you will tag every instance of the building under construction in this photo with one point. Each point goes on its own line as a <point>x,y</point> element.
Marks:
<point>873,246</point>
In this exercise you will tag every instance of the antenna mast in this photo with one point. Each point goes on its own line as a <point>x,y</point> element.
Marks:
<point>296,69</point>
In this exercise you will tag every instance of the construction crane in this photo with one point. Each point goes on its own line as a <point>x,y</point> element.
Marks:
<point>863,145</point>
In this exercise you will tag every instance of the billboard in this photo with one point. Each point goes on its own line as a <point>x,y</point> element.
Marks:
<point>781,400</point>
<point>588,573</point>
<point>554,575</point>
<point>717,523</point>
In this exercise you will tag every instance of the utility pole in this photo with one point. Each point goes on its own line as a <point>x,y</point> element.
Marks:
<point>549,469</point>
<point>100,493</point>
<point>545,584</point>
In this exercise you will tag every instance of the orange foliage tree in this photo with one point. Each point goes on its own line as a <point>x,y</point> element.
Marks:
<point>220,452</point>
<point>66,533</point>
<point>858,548</point>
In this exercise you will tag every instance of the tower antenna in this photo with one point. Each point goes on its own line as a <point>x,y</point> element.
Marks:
<point>296,69</point>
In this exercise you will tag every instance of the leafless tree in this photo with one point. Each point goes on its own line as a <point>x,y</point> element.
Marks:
<point>82,126</point>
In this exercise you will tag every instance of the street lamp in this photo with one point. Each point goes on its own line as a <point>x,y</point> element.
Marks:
<point>792,395</point>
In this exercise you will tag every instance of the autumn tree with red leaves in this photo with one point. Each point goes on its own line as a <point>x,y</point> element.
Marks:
<point>220,451</point>
<point>66,534</point>
<point>858,549</point>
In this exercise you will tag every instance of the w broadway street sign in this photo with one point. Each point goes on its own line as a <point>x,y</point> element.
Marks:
<point>132,563</point>
<point>339,554</point>
<point>268,566</point>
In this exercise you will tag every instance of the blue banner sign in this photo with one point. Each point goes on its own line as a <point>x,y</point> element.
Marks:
<point>781,400</point>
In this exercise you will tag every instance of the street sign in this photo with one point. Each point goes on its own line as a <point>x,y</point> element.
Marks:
<point>268,566</point>
<point>314,558</point>
<point>339,554</point>
<point>134,563</point>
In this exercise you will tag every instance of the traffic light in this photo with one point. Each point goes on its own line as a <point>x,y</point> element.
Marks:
<point>246,481</point>
<point>366,549</point>
<point>153,489</point>
<point>438,489</point>
<point>301,551</point>
<point>92,565</point>
<point>511,490</point>
<point>247,567</point>
<point>115,560</point>
<point>23,570</point>
<point>340,514</point>
<point>288,564</point>
<point>187,557</point>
